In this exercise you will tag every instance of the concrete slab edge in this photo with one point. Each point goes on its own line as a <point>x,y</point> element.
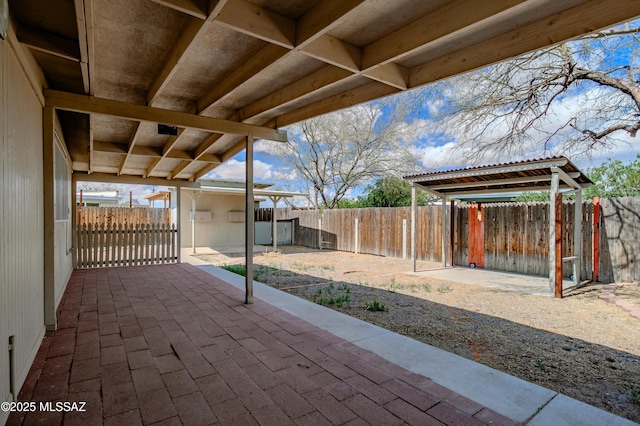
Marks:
<point>510,396</point>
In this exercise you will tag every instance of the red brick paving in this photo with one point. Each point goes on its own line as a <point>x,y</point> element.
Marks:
<point>170,344</point>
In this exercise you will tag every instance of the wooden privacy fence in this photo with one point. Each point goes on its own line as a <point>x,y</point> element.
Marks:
<point>514,236</point>
<point>101,245</point>
<point>122,215</point>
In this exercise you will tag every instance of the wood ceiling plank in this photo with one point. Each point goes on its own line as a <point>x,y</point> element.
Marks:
<point>131,144</point>
<point>258,62</point>
<point>82,43</point>
<point>335,52</point>
<point>183,165</point>
<point>90,104</point>
<point>364,93</point>
<point>259,22</point>
<point>166,150</point>
<point>318,80</point>
<point>192,29</point>
<point>322,17</point>
<point>203,171</point>
<point>559,27</point>
<point>89,17</point>
<point>195,8</point>
<point>440,23</point>
<point>390,73</point>
<point>316,22</point>
<point>52,44</point>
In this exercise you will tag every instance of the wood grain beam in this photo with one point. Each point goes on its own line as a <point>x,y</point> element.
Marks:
<point>335,52</point>
<point>390,73</point>
<point>81,22</point>
<point>322,79</point>
<point>259,22</point>
<point>89,17</point>
<point>192,29</point>
<point>258,62</point>
<point>50,43</point>
<point>151,151</point>
<point>93,105</point>
<point>203,171</point>
<point>556,28</point>
<point>166,149</point>
<point>417,35</point>
<point>364,93</point>
<point>131,145</point>
<point>322,17</point>
<point>195,8</point>
<point>183,165</point>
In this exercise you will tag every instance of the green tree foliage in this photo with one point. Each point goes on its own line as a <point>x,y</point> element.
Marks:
<point>614,179</point>
<point>388,191</point>
<point>611,179</point>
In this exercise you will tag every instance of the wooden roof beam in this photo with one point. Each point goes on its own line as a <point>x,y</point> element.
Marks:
<point>83,43</point>
<point>259,22</point>
<point>175,172</point>
<point>195,8</point>
<point>90,104</point>
<point>314,24</point>
<point>168,146</point>
<point>556,28</point>
<point>420,33</point>
<point>131,144</point>
<point>50,43</point>
<point>193,28</point>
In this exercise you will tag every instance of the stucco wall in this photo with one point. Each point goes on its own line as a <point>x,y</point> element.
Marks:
<point>219,232</point>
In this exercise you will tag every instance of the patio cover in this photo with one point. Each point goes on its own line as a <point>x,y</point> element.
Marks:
<point>557,175</point>
<point>161,92</point>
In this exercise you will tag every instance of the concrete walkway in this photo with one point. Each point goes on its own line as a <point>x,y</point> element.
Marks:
<point>503,280</point>
<point>173,344</point>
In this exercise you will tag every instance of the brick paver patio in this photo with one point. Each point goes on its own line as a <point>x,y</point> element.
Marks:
<point>171,344</point>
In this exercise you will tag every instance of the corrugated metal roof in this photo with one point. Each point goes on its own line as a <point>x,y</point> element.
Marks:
<point>530,175</point>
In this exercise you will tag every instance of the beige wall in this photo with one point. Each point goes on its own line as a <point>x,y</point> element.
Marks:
<point>21,215</point>
<point>219,232</point>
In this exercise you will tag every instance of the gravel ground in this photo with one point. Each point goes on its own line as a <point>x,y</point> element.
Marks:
<point>581,346</point>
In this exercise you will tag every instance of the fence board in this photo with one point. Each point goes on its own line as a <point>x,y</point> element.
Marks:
<point>120,245</point>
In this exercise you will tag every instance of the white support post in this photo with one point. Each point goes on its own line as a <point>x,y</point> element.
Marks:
<point>577,238</point>
<point>444,231</point>
<point>178,222</point>
<point>249,223</point>
<point>555,183</point>
<point>193,222</point>
<point>414,207</point>
<point>274,223</point>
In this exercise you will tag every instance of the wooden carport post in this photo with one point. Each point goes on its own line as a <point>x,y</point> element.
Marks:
<point>249,223</point>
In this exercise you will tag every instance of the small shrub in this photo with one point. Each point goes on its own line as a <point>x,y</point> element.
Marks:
<point>393,286</point>
<point>426,287</point>
<point>330,295</point>
<point>236,269</point>
<point>444,289</point>
<point>635,396</point>
<point>375,306</point>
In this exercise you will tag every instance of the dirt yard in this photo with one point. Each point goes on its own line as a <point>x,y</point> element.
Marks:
<point>581,346</point>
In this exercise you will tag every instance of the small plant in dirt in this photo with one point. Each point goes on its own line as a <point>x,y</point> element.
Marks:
<point>236,269</point>
<point>299,266</point>
<point>426,287</point>
<point>444,289</point>
<point>393,286</point>
<point>328,267</point>
<point>540,365</point>
<point>332,295</point>
<point>635,396</point>
<point>375,306</point>
<point>413,288</point>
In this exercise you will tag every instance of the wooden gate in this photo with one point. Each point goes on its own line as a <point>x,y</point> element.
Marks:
<point>100,245</point>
